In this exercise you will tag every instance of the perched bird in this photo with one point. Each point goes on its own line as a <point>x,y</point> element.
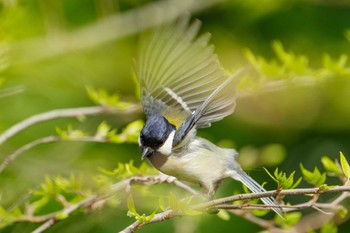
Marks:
<point>184,88</point>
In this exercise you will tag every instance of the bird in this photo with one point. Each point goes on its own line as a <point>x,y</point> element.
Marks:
<point>183,88</point>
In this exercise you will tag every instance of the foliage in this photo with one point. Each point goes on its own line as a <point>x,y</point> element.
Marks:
<point>283,181</point>
<point>292,107</point>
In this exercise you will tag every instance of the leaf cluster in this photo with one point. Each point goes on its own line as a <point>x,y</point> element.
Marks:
<point>104,133</point>
<point>103,98</point>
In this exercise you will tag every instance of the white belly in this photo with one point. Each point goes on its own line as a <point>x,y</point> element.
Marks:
<point>205,165</point>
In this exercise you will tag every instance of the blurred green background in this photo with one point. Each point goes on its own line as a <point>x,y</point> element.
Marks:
<point>54,49</point>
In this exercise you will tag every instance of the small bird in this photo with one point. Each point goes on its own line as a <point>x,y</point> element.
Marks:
<point>183,88</point>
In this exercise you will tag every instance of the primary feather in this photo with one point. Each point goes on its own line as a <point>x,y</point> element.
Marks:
<point>178,71</point>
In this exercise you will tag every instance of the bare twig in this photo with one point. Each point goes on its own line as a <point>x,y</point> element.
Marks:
<point>315,221</point>
<point>51,221</point>
<point>25,148</point>
<point>61,113</point>
<point>11,91</point>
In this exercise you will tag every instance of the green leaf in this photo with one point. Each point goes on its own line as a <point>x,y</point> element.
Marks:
<point>61,215</point>
<point>282,180</point>
<point>150,217</point>
<point>37,205</point>
<point>103,98</point>
<point>329,227</point>
<point>296,184</point>
<point>131,205</point>
<point>272,177</point>
<point>132,131</point>
<point>342,212</point>
<point>131,169</point>
<point>344,165</point>
<point>70,133</point>
<point>102,130</point>
<point>315,177</point>
<point>336,67</point>
<point>162,205</point>
<point>289,219</point>
<point>173,202</point>
<point>224,215</point>
<point>330,166</point>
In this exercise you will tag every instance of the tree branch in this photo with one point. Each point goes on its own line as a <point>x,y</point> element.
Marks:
<point>62,113</point>
<point>222,203</point>
<point>50,220</point>
<point>25,148</point>
<point>10,91</point>
<point>218,203</point>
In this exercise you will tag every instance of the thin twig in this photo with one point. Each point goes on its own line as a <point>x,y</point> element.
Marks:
<point>49,139</point>
<point>61,113</point>
<point>25,148</point>
<point>168,214</point>
<point>11,91</point>
<point>51,221</point>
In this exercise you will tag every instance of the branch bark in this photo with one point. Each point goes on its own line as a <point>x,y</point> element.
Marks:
<point>62,113</point>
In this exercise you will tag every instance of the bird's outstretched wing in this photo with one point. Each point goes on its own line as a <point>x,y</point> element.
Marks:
<point>178,72</point>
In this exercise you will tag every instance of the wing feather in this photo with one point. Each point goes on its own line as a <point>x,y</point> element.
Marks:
<point>178,71</point>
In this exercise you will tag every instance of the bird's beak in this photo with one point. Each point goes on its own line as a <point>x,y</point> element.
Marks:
<point>146,151</point>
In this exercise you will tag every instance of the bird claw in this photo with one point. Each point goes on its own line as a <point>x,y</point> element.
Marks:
<point>163,178</point>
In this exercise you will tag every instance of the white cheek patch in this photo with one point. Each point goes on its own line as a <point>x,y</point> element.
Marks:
<point>139,140</point>
<point>167,147</point>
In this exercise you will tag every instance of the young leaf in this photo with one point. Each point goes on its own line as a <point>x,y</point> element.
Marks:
<point>103,98</point>
<point>272,177</point>
<point>345,165</point>
<point>102,130</point>
<point>150,217</point>
<point>342,212</point>
<point>131,205</point>
<point>162,204</point>
<point>37,205</point>
<point>61,215</point>
<point>173,202</point>
<point>330,166</point>
<point>224,215</point>
<point>289,219</point>
<point>329,227</point>
<point>296,183</point>
<point>313,177</point>
<point>282,180</point>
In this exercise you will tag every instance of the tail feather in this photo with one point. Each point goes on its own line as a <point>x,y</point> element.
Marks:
<point>253,186</point>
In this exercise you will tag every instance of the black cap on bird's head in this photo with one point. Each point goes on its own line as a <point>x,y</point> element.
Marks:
<point>154,134</point>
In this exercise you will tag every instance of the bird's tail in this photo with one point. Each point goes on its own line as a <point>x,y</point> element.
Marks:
<point>253,186</point>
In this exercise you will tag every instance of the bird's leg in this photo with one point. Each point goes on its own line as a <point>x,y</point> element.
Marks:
<point>211,190</point>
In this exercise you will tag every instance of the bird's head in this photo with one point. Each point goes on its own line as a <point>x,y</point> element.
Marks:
<point>156,136</point>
